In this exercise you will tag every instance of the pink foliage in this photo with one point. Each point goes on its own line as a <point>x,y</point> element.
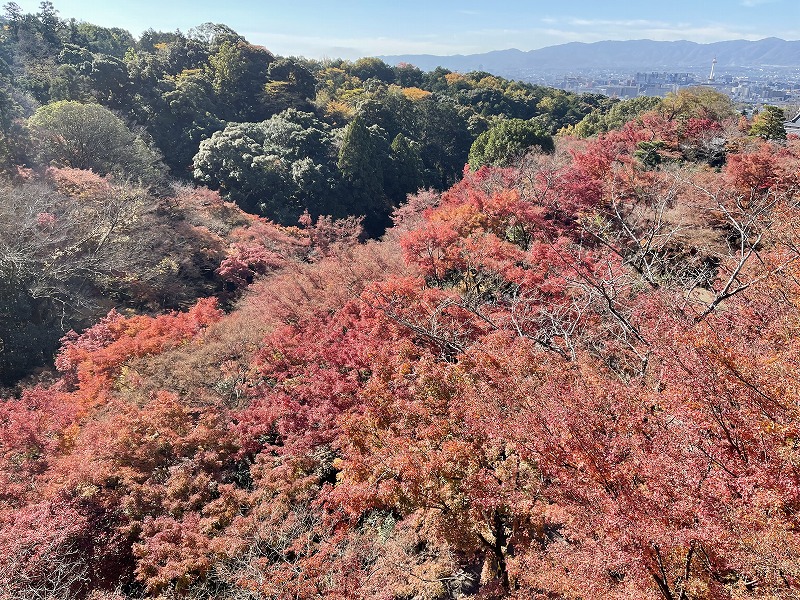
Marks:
<point>245,262</point>
<point>46,220</point>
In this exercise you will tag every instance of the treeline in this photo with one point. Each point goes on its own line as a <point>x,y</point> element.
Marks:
<point>333,137</point>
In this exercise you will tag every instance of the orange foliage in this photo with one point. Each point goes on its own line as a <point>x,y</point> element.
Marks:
<point>90,362</point>
<point>413,93</point>
<point>79,184</point>
<point>540,385</point>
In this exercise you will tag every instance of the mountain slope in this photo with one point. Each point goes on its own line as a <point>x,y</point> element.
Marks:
<point>632,54</point>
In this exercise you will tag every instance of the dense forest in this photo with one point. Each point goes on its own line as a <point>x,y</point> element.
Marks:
<point>279,137</point>
<point>275,328</point>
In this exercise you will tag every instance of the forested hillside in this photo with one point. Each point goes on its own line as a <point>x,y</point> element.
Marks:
<point>279,137</point>
<point>427,336</point>
<point>334,137</point>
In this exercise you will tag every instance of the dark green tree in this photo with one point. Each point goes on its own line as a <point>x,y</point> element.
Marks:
<point>151,39</point>
<point>75,55</point>
<point>238,72</point>
<point>112,41</point>
<point>51,26</point>
<point>372,68</point>
<point>363,159</point>
<point>389,110</point>
<point>358,158</point>
<point>503,143</point>
<point>277,168</point>
<point>234,161</point>
<point>186,116</point>
<point>444,138</point>
<point>9,111</point>
<point>405,174</point>
<point>406,75</point>
<point>108,77</point>
<point>434,81</point>
<point>290,85</point>
<point>492,102</point>
<point>69,83</point>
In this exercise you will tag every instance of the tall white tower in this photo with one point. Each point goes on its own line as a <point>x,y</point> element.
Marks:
<point>711,75</point>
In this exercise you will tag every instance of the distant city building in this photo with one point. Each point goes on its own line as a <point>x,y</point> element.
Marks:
<point>620,91</point>
<point>746,86</point>
<point>793,126</point>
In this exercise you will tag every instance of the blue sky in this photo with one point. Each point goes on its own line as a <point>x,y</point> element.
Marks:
<point>353,28</point>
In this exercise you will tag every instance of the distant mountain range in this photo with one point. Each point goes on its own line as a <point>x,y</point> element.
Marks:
<point>633,55</point>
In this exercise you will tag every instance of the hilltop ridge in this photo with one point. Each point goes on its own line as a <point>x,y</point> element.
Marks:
<point>630,54</point>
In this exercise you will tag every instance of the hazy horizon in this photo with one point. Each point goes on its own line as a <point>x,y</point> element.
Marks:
<point>593,42</point>
<point>354,28</point>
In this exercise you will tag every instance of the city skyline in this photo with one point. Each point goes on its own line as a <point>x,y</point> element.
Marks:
<point>354,28</point>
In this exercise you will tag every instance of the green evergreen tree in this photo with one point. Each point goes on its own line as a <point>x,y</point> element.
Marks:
<point>359,161</point>
<point>406,168</point>
<point>768,124</point>
<point>363,157</point>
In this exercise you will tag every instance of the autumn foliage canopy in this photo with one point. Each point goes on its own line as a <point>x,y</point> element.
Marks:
<point>575,377</point>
